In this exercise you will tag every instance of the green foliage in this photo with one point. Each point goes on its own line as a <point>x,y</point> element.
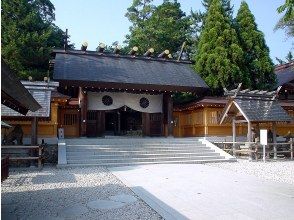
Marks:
<point>256,59</point>
<point>163,27</point>
<point>219,54</point>
<point>28,36</point>
<point>287,21</point>
<point>288,8</point>
<point>289,57</point>
<point>183,97</point>
<point>198,17</point>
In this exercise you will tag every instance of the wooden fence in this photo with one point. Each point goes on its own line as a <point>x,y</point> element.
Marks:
<point>255,150</point>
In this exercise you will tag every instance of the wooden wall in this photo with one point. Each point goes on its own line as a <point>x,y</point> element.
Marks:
<point>46,129</point>
<point>204,122</point>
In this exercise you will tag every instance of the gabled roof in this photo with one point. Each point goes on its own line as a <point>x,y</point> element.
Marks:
<point>92,69</point>
<point>41,91</point>
<point>13,94</point>
<point>285,73</point>
<point>255,106</point>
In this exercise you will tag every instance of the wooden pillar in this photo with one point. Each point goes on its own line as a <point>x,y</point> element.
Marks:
<point>169,116</point>
<point>249,136</point>
<point>83,106</point>
<point>205,122</point>
<point>249,139</point>
<point>234,134</point>
<point>118,122</point>
<point>275,139</point>
<point>100,123</point>
<point>34,135</point>
<point>146,124</point>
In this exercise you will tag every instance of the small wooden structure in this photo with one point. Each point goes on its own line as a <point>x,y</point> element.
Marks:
<point>253,107</point>
<point>46,117</point>
<point>17,98</point>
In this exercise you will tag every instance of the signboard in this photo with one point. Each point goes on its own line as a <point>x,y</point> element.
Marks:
<point>263,136</point>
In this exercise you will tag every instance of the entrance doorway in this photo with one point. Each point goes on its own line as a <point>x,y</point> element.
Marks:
<point>123,121</point>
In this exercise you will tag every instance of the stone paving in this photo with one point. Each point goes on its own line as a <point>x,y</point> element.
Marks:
<point>196,191</point>
<point>73,193</point>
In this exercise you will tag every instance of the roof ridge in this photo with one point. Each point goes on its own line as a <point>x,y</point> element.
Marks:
<point>125,56</point>
<point>284,66</point>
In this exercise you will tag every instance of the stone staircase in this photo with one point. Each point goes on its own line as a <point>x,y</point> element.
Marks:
<point>138,151</point>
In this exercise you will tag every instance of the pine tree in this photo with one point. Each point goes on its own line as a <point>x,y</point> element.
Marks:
<point>219,54</point>
<point>256,59</point>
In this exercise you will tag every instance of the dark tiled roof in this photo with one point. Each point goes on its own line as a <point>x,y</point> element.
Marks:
<point>285,73</point>
<point>41,92</point>
<point>126,70</point>
<point>14,94</point>
<point>254,106</point>
<point>262,110</point>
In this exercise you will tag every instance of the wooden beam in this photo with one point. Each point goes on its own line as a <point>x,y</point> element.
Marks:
<point>240,121</point>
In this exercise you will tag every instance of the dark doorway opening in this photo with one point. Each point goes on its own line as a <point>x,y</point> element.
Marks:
<point>123,121</point>
<point>111,123</point>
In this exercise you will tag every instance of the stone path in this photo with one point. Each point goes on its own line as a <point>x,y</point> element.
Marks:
<point>195,191</point>
<point>73,193</point>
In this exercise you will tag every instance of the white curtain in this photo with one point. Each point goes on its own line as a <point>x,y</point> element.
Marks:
<point>121,99</point>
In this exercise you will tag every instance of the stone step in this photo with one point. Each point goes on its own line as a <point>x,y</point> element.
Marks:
<point>133,145</point>
<point>192,161</point>
<point>149,159</point>
<point>73,148</point>
<point>112,152</point>
<point>118,156</point>
<point>121,142</point>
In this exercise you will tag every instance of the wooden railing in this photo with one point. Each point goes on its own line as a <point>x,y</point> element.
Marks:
<point>253,149</point>
<point>14,157</point>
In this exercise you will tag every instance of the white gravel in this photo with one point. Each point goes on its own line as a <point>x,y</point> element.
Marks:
<point>279,171</point>
<point>52,192</point>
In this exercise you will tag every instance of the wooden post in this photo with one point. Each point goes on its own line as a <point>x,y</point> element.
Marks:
<point>169,115</point>
<point>146,124</point>
<point>205,122</point>
<point>83,106</point>
<point>234,134</point>
<point>249,139</point>
<point>291,147</point>
<point>275,139</point>
<point>40,156</point>
<point>34,134</point>
<point>118,122</point>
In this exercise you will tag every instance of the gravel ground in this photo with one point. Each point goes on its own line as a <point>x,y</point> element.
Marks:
<point>55,193</point>
<point>280,171</point>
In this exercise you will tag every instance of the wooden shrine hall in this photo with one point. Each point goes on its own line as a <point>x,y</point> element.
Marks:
<point>113,94</point>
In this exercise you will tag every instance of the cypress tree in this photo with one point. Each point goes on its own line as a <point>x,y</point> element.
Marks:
<point>256,59</point>
<point>218,54</point>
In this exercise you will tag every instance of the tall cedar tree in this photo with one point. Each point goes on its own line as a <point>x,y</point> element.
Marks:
<point>28,36</point>
<point>198,17</point>
<point>164,27</point>
<point>256,59</point>
<point>219,54</point>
